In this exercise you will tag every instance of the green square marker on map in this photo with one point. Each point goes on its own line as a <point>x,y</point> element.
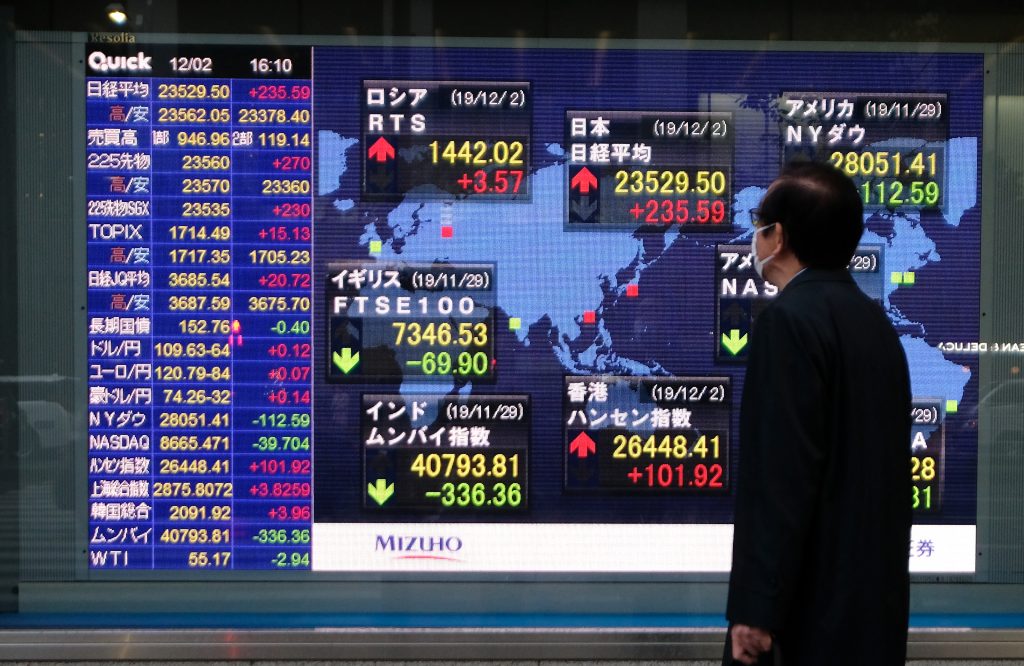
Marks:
<point>896,277</point>
<point>376,246</point>
<point>514,323</point>
<point>908,278</point>
<point>952,406</point>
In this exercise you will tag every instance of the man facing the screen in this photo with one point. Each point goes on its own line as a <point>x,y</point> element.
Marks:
<point>823,500</point>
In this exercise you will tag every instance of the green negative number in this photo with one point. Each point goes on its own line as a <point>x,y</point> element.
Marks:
<point>922,498</point>
<point>466,363</point>
<point>510,495</point>
<point>893,193</point>
<point>478,495</point>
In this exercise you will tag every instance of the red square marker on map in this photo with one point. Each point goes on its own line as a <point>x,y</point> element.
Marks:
<point>632,290</point>
<point>589,317</point>
<point>447,231</point>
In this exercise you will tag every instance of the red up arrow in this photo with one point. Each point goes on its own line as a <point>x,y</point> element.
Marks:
<point>582,446</point>
<point>381,150</point>
<point>583,181</point>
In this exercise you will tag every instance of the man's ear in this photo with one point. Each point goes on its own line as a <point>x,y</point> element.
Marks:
<point>780,240</point>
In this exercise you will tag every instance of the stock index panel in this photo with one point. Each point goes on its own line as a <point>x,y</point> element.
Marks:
<point>468,309</point>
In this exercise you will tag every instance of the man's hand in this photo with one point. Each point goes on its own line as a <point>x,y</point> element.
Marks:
<point>749,642</point>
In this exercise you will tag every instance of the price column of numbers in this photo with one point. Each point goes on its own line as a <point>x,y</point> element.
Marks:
<point>193,348</point>
<point>272,205</point>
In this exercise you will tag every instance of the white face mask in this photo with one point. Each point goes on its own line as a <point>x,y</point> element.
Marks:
<point>759,263</point>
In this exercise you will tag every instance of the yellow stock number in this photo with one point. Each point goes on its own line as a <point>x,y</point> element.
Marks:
<point>198,512</point>
<point>192,373</point>
<point>264,116</point>
<point>669,182</point>
<point>198,280</point>
<point>192,91</point>
<point>205,186</point>
<point>190,489</point>
<point>197,396</point>
<point>205,162</point>
<point>198,233</point>
<point>441,334</point>
<point>206,209</point>
<point>191,535</point>
<point>463,465</point>
<point>665,446</point>
<point>195,420</point>
<point>204,139</point>
<point>280,257</point>
<point>208,560</point>
<point>199,303</point>
<point>192,115</point>
<point>195,466</point>
<point>284,186</point>
<point>192,350</point>
<point>194,442</point>
<point>477,152</point>
<point>283,139</point>
<point>922,469</point>
<point>885,163</point>
<point>279,303</point>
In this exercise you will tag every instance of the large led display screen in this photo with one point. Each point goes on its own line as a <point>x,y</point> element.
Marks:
<point>404,309</point>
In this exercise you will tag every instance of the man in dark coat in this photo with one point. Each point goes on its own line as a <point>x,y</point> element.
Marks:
<point>823,498</point>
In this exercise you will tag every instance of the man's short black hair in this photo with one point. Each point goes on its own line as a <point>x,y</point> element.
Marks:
<point>820,210</point>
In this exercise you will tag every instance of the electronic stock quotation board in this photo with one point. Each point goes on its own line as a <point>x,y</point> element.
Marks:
<point>410,309</point>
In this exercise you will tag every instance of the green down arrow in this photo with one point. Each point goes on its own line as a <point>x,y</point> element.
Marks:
<point>346,360</point>
<point>380,491</point>
<point>734,342</point>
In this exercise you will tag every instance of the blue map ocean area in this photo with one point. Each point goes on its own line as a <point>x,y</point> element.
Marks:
<point>546,274</point>
<point>907,249</point>
<point>542,272</point>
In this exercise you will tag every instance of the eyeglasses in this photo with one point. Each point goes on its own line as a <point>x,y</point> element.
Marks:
<point>758,220</point>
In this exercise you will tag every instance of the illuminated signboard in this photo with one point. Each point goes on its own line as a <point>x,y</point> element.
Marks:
<point>465,309</point>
